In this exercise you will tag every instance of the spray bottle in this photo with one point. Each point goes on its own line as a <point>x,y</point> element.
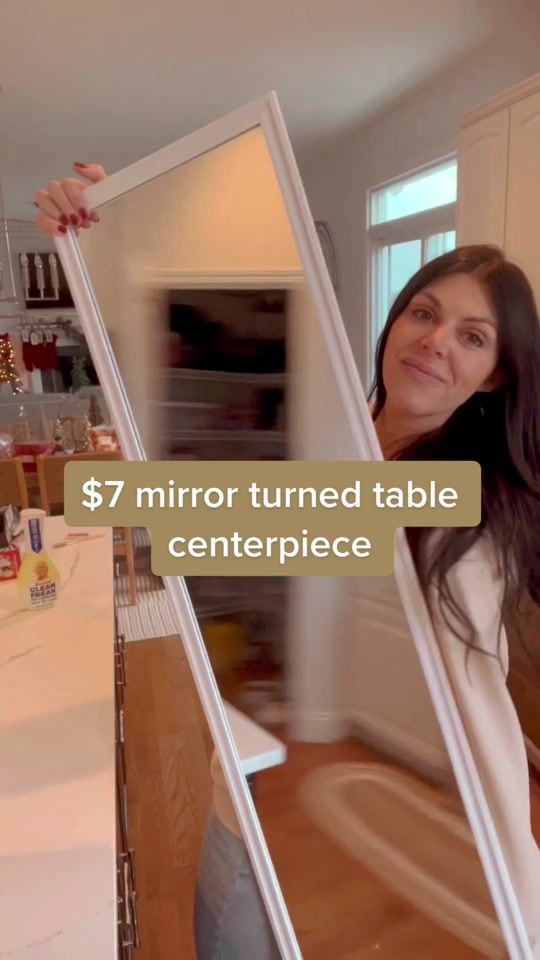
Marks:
<point>38,580</point>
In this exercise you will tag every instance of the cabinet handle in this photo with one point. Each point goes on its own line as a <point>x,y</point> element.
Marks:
<point>119,692</point>
<point>121,644</point>
<point>129,925</point>
<point>134,897</point>
<point>131,857</point>
<point>121,763</point>
<point>121,668</point>
<point>127,902</point>
<point>136,937</point>
<point>123,897</point>
<point>126,944</point>
<point>125,804</point>
<point>119,716</point>
<point>126,935</point>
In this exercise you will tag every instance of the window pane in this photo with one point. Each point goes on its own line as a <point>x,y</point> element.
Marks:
<point>440,243</point>
<point>427,190</point>
<point>394,266</point>
<point>405,259</point>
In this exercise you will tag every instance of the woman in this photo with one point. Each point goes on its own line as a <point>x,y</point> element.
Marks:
<point>457,378</point>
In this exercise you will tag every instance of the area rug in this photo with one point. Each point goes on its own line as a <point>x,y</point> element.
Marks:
<point>407,835</point>
<point>152,617</point>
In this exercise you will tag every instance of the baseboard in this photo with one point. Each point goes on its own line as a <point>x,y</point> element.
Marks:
<point>318,727</point>
<point>398,745</point>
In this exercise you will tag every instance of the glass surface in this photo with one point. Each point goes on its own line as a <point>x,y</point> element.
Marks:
<point>395,264</point>
<point>424,191</point>
<point>440,243</point>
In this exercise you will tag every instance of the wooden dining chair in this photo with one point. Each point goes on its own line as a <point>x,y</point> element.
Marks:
<point>13,489</point>
<point>50,470</point>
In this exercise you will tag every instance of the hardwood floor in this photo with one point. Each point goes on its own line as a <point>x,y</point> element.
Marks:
<point>339,910</point>
<point>337,907</point>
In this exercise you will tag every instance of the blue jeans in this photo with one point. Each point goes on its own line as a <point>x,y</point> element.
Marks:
<point>230,918</point>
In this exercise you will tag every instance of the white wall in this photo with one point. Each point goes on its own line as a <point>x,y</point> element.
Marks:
<point>421,128</point>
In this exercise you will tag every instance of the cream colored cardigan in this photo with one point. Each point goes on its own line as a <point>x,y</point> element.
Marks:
<point>479,685</point>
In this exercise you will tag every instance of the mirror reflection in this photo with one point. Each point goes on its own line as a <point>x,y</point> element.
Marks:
<point>202,290</point>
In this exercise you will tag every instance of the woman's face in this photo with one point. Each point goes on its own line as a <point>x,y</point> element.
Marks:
<point>442,349</point>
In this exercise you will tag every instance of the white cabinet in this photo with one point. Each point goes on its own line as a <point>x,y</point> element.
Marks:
<point>482,180</point>
<point>498,179</point>
<point>522,239</point>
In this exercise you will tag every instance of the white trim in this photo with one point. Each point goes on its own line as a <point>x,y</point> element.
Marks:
<point>384,736</point>
<point>228,280</point>
<point>415,226</point>
<point>323,726</point>
<point>369,344</point>
<point>503,101</point>
<point>367,447</point>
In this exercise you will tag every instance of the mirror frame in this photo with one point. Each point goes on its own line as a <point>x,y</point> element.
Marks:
<point>266,114</point>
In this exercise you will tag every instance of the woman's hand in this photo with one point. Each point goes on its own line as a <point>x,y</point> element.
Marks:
<point>63,203</point>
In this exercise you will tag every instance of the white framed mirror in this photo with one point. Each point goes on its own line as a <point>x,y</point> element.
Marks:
<point>217,225</point>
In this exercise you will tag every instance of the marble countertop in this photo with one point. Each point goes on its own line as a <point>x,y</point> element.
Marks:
<point>57,762</point>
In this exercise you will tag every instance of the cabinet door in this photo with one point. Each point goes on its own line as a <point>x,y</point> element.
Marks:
<point>522,241</point>
<point>482,169</point>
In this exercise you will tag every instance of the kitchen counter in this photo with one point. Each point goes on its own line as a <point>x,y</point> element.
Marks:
<point>57,762</point>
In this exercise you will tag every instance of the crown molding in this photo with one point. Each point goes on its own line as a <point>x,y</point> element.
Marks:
<point>504,100</point>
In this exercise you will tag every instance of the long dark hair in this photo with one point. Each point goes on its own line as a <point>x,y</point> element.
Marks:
<point>500,430</point>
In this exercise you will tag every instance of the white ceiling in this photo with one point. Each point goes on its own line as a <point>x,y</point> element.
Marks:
<point>113,80</point>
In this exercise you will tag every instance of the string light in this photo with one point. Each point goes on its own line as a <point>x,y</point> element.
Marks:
<point>8,370</point>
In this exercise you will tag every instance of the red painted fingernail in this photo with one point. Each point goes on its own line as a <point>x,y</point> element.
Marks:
<point>74,219</point>
<point>79,164</point>
<point>64,220</point>
<point>84,213</point>
<point>62,229</point>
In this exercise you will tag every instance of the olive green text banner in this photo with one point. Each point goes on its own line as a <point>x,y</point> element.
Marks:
<point>277,518</point>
